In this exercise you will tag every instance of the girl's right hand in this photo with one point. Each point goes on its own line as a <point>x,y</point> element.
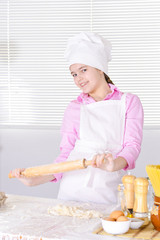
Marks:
<point>17,173</point>
<point>30,181</point>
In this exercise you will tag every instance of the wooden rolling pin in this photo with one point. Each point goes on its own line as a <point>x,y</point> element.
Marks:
<point>54,168</point>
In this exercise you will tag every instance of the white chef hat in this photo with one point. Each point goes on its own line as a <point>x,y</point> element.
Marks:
<point>90,49</point>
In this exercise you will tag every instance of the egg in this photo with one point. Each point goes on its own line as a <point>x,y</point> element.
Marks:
<point>110,219</point>
<point>122,219</point>
<point>116,214</point>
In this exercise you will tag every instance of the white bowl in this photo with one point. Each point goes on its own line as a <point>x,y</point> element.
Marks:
<point>136,223</point>
<point>114,227</point>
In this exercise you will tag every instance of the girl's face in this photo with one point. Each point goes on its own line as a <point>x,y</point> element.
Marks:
<point>87,78</point>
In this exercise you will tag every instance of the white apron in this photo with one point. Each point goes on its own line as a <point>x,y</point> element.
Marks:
<point>101,130</point>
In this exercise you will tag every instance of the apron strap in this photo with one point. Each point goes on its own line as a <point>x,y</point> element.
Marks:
<point>123,100</point>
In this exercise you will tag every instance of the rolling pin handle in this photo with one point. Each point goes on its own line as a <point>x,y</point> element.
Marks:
<point>86,163</point>
<point>10,175</point>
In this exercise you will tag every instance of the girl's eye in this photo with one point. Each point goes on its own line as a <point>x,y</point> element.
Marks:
<point>84,70</point>
<point>74,75</point>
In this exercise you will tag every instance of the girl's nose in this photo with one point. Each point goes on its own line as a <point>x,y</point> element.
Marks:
<point>79,77</point>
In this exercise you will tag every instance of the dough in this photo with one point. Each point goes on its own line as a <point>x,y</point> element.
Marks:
<point>73,211</point>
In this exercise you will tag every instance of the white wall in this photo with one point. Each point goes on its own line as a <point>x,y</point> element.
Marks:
<point>27,148</point>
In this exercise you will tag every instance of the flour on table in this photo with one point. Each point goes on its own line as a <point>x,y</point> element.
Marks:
<point>74,211</point>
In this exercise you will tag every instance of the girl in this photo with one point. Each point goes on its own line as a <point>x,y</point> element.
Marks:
<point>102,124</point>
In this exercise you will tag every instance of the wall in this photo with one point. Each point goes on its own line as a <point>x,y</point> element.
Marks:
<point>27,148</point>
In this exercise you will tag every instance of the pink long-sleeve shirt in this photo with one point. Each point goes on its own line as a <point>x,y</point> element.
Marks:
<point>133,131</point>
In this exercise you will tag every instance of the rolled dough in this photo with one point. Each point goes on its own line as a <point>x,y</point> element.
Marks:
<point>73,211</point>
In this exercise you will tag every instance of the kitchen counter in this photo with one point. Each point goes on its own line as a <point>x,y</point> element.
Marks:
<point>27,218</point>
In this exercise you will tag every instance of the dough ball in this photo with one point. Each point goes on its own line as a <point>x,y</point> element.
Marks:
<point>116,214</point>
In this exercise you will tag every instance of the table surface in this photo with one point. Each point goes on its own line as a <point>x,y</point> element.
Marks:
<point>25,217</point>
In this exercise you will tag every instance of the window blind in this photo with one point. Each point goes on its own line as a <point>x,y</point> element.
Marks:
<point>35,84</point>
<point>134,30</point>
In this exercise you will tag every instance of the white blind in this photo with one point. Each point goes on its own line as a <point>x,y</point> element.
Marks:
<point>36,86</point>
<point>134,29</point>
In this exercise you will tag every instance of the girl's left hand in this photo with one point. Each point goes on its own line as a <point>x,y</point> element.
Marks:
<point>104,161</point>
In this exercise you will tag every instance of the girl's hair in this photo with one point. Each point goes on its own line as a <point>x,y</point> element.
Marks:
<point>108,80</point>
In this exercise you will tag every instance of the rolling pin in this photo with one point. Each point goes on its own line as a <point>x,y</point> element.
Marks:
<point>54,168</point>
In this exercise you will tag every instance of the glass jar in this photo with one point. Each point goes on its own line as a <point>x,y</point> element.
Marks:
<point>121,198</point>
<point>150,198</point>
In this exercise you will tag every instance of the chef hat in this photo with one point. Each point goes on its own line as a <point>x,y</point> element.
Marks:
<point>90,49</point>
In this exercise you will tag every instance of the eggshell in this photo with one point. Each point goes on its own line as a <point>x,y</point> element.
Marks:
<point>110,219</point>
<point>122,219</point>
<point>116,214</point>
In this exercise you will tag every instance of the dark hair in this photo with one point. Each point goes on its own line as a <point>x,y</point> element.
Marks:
<point>108,80</point>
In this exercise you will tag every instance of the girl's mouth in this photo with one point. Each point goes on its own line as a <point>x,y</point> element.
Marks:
<point>83,84</point>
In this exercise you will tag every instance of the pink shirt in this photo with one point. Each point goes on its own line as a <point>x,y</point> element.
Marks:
<point>132,134</point>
